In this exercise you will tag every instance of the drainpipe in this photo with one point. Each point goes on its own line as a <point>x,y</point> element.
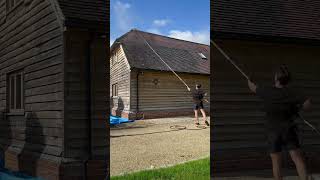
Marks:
<point>137,95</point>
<point>89,103</point>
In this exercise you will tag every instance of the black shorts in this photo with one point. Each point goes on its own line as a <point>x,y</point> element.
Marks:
<point>287,139</point>
<point>198,106</point>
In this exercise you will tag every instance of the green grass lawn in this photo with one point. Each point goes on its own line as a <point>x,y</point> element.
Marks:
<point>193,170</point>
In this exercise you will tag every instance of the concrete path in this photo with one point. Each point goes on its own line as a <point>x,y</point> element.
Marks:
<point>148,144</point>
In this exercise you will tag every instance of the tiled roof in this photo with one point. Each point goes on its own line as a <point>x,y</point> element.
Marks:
<point>180,55</point>
<point>85,13</point>
<point>293,19</point>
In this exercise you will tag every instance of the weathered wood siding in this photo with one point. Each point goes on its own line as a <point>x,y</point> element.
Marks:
<point>31,40</point>
<point>120,74</point>
<point>2,12</point>
<point>238,138</point>
<point>76,94</point>
<point>99,99</point>
<point>169,94</point>
<point>85,95</point>
<point>86,14</point>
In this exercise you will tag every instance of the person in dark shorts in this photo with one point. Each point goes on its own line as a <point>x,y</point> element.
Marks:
<point>198,98</point>
<point>282,104</point>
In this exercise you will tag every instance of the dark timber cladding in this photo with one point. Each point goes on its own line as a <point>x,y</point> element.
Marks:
<point>53,90</point>
<point>260,36</point>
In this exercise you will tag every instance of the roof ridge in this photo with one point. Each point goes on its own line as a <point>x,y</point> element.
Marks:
<point>134,29</point>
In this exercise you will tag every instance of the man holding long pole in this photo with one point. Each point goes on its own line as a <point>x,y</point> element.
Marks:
<point>282,106</point>
<point>198,98</point>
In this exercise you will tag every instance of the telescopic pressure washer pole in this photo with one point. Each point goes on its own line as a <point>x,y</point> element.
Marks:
<point>310,125</point>
<point>164,61</point>
<point>247,77</point>
<point>229,59</point>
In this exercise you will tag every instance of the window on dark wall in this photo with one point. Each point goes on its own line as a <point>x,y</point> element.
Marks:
<point>15,91</point>
<point>114,89</point>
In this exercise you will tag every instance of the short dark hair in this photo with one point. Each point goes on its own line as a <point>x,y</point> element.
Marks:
<point>198,85</point>
<point>283,75</point>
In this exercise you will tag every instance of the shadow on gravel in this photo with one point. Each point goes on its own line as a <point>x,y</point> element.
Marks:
<point>157,132</point>
<point>130,126</point>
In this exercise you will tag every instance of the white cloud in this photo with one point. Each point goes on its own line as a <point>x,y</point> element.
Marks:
<point>154,31</point>
<point>199,36</point>
<point>160,22</point>
<point>122,15</point>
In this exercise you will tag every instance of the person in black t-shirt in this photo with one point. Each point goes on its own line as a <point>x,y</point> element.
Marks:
<point>282,105</point>
<point>198,97</point>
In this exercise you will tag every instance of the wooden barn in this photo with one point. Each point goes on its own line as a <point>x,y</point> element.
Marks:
<point>53,88</point>
<point>142,86</point>
<point>261,35</point>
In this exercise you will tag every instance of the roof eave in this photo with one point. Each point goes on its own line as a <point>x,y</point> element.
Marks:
<point>157,70</point>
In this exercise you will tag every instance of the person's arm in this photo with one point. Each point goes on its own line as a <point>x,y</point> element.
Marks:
<point>203,97</point>
<point>252,86</point>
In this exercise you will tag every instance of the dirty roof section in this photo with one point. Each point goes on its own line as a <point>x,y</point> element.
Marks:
<point>180,55</point>
<point>297,19</point>
<point>85,13</point>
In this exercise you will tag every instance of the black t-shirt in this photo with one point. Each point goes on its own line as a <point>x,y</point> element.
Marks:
<point>198,95</point>
<point>281,105</point>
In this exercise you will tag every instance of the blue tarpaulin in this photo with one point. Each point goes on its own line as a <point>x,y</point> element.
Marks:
<point>114,120</point>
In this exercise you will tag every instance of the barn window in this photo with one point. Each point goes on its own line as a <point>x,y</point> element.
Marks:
<point>11,4</point>
<point>15,91</point>
<point>202,56</point>
<point>115,89</point>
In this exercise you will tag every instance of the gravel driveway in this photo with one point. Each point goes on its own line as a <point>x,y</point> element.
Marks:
<point>147,144</point>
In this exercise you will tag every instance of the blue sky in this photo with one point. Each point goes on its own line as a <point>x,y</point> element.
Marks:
<point>182,19</point>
